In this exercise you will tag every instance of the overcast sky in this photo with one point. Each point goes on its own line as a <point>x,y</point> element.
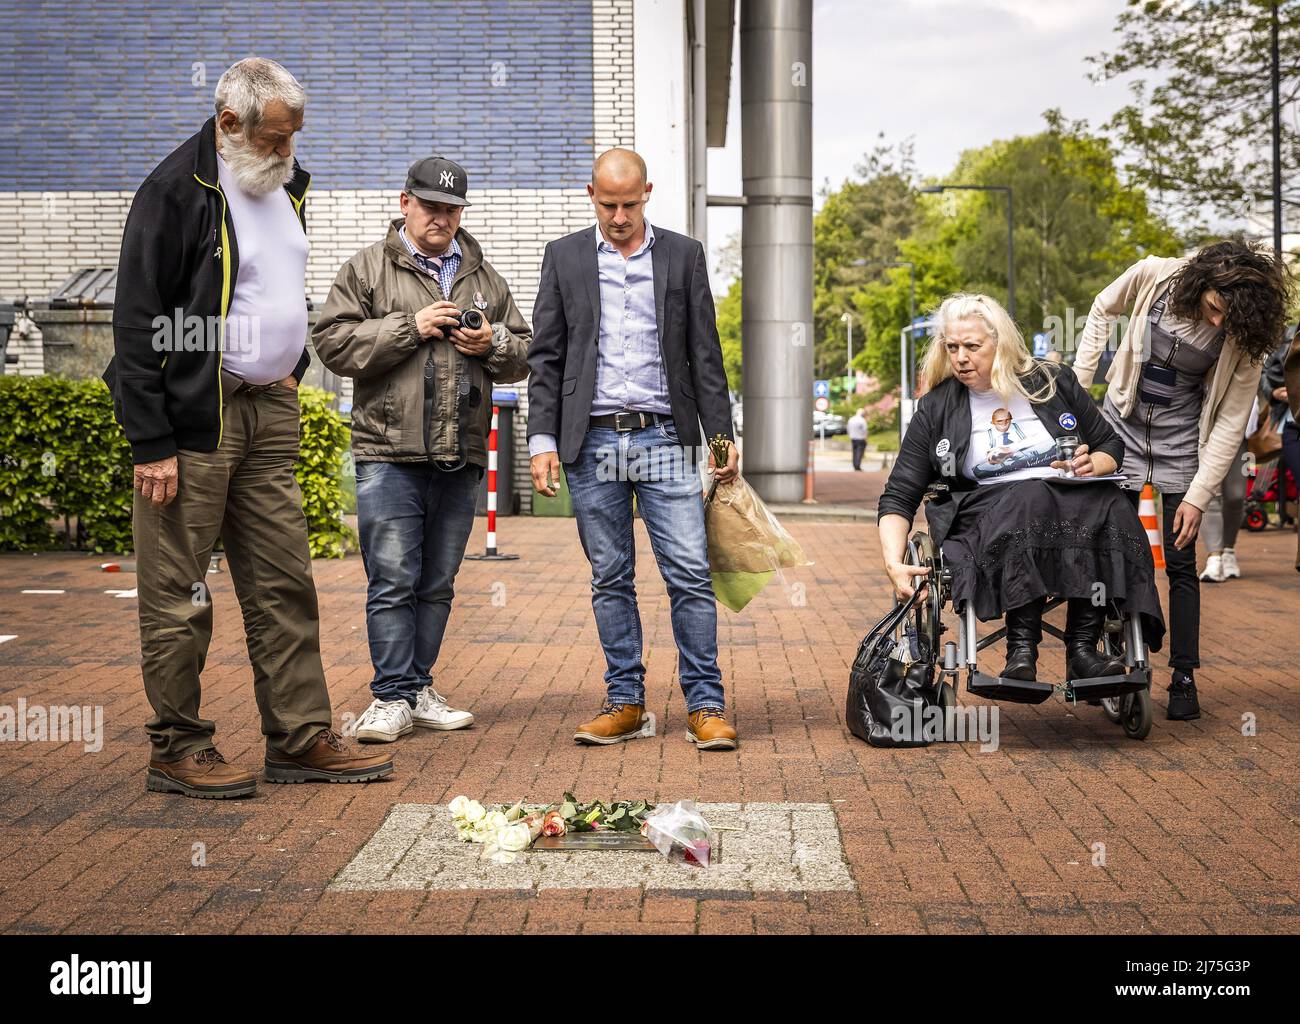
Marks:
<point>950,74</point>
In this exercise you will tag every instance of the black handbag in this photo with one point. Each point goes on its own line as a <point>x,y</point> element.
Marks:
<point>887,699</point>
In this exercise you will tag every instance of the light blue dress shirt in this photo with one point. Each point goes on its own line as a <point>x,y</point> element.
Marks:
<point>630,375</point>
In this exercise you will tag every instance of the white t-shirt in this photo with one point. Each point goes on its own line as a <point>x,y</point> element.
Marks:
<point>266,325</point>
<point>1007,441</point>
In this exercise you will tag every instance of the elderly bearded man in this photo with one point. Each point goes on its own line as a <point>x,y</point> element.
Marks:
<point>216,236</point>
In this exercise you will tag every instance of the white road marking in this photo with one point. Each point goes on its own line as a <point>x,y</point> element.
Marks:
<point>7,637</point>
<point>44,591</point>
<point>122,593</point>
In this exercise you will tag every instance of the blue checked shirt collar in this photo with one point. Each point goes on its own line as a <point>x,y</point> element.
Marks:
<point>442,267</point>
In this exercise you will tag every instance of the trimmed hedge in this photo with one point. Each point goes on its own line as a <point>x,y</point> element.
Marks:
<point>63,456</point>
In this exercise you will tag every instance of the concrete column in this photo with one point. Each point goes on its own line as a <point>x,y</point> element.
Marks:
<point>776,313</point>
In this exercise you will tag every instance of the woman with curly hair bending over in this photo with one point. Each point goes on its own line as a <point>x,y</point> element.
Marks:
<point>1179,392</point>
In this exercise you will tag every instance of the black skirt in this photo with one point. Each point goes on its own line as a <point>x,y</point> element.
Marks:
<point>1012,543</point>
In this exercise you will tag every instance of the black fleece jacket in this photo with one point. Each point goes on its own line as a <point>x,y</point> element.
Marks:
<point>938,438</point>
<point>179,257</point>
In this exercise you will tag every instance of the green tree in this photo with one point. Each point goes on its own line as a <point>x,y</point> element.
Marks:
<point>728,318</point>
<point>1201,135</point>
<point>862,220</point>
<point>1077,228</point>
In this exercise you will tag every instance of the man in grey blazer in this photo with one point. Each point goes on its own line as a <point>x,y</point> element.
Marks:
<point>625,366</point>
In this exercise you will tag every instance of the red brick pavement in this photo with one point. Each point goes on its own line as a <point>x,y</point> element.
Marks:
<point>1199,822</point>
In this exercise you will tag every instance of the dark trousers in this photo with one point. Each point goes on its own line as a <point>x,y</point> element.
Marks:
<point>1184,590</point>
<point>858,448</point>
<point>1291,461</point>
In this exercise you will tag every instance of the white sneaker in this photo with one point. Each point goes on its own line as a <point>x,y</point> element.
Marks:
<point>384,721</point>
<point>1231,570</point>
<point>1213,571</point>
<point>432,712</point>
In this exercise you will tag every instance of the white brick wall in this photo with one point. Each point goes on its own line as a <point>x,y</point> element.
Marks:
<point>611,45</point>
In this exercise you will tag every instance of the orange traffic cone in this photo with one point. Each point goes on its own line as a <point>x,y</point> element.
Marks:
<point>1147,513</point>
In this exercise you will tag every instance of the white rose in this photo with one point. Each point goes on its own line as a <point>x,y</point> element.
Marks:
<point>457,806</point>
<point>514,838</point>
<point>496,820</point>
<point>474,812</point>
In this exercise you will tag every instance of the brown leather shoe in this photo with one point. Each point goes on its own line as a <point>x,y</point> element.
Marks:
<point>329,759</point>
<point>708,730</point>
<point>614,724</point>
<point>205,775</point>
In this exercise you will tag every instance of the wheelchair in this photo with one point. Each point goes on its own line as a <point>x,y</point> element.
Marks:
<point>1124,699</point>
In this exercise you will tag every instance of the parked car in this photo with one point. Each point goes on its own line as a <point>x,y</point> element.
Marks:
<point>828,422</point>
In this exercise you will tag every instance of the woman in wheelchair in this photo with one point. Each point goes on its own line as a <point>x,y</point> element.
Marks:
<point>990,435</point>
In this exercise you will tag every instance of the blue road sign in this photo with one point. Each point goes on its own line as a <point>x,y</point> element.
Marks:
<point>821,389</point>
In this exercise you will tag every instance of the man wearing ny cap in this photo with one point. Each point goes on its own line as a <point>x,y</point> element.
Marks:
<point>425,327</point>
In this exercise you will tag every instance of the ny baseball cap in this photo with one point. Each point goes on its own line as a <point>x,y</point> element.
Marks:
<point>436,180</point>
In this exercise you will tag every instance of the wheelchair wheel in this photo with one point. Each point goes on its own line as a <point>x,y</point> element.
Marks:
<point>928,614</point>
<point>1113,644</point>
<point>1256,520</point>
<point>1135,714</point>
<point>947,695</point>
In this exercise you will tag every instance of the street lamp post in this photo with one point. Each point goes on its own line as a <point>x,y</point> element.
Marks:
<point>1277,137</point>
<point>1011,232</point>
<point>847,318</point>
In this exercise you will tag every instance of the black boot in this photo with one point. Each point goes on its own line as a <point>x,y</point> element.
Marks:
<point>1183,705</point>
<point>1024,632</point>
<point>1084,622</point>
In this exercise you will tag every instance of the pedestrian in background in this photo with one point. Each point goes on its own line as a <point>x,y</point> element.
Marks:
<point>1223,516</point>
<point>858,437</point>
<point>1282,378</point>
<point>217,235</point>
<point>425,326</point>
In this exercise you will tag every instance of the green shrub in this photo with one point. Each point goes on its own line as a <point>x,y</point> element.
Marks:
<point>63,456</point>
<point>322,446</point>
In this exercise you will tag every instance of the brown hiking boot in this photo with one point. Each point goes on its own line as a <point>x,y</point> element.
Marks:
<point>708,730</point>
<point>614,724</point>
<point>329,759</point>
<point>205,775</point>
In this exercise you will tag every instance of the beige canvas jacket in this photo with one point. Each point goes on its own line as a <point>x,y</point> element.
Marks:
<point>1230,387</point>
<point>367,332</point>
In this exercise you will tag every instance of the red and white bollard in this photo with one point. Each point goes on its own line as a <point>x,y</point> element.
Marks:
<point>809,477</point>
<point>492,554</point>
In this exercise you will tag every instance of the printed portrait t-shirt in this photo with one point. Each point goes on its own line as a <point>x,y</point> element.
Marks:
<point>1007,441</point>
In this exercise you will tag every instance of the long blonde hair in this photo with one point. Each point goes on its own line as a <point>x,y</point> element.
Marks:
<point>1011,360</point>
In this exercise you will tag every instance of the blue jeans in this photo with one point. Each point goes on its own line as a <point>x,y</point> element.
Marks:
<point>651,464</point>
<point>414,520</point>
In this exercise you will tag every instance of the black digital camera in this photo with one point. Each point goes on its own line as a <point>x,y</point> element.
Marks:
<point>468,319</point>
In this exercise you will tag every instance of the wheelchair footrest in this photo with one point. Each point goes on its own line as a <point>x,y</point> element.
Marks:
<point>1020,691</point>
<point>1102,687</point>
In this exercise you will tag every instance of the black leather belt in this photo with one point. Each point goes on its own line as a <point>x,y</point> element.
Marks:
<point>627,421</point>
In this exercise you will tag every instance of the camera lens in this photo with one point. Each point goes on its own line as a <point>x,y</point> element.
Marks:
<point>471,319</point>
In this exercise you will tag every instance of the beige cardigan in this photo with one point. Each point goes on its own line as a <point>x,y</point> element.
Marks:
<point>1233,381</point>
